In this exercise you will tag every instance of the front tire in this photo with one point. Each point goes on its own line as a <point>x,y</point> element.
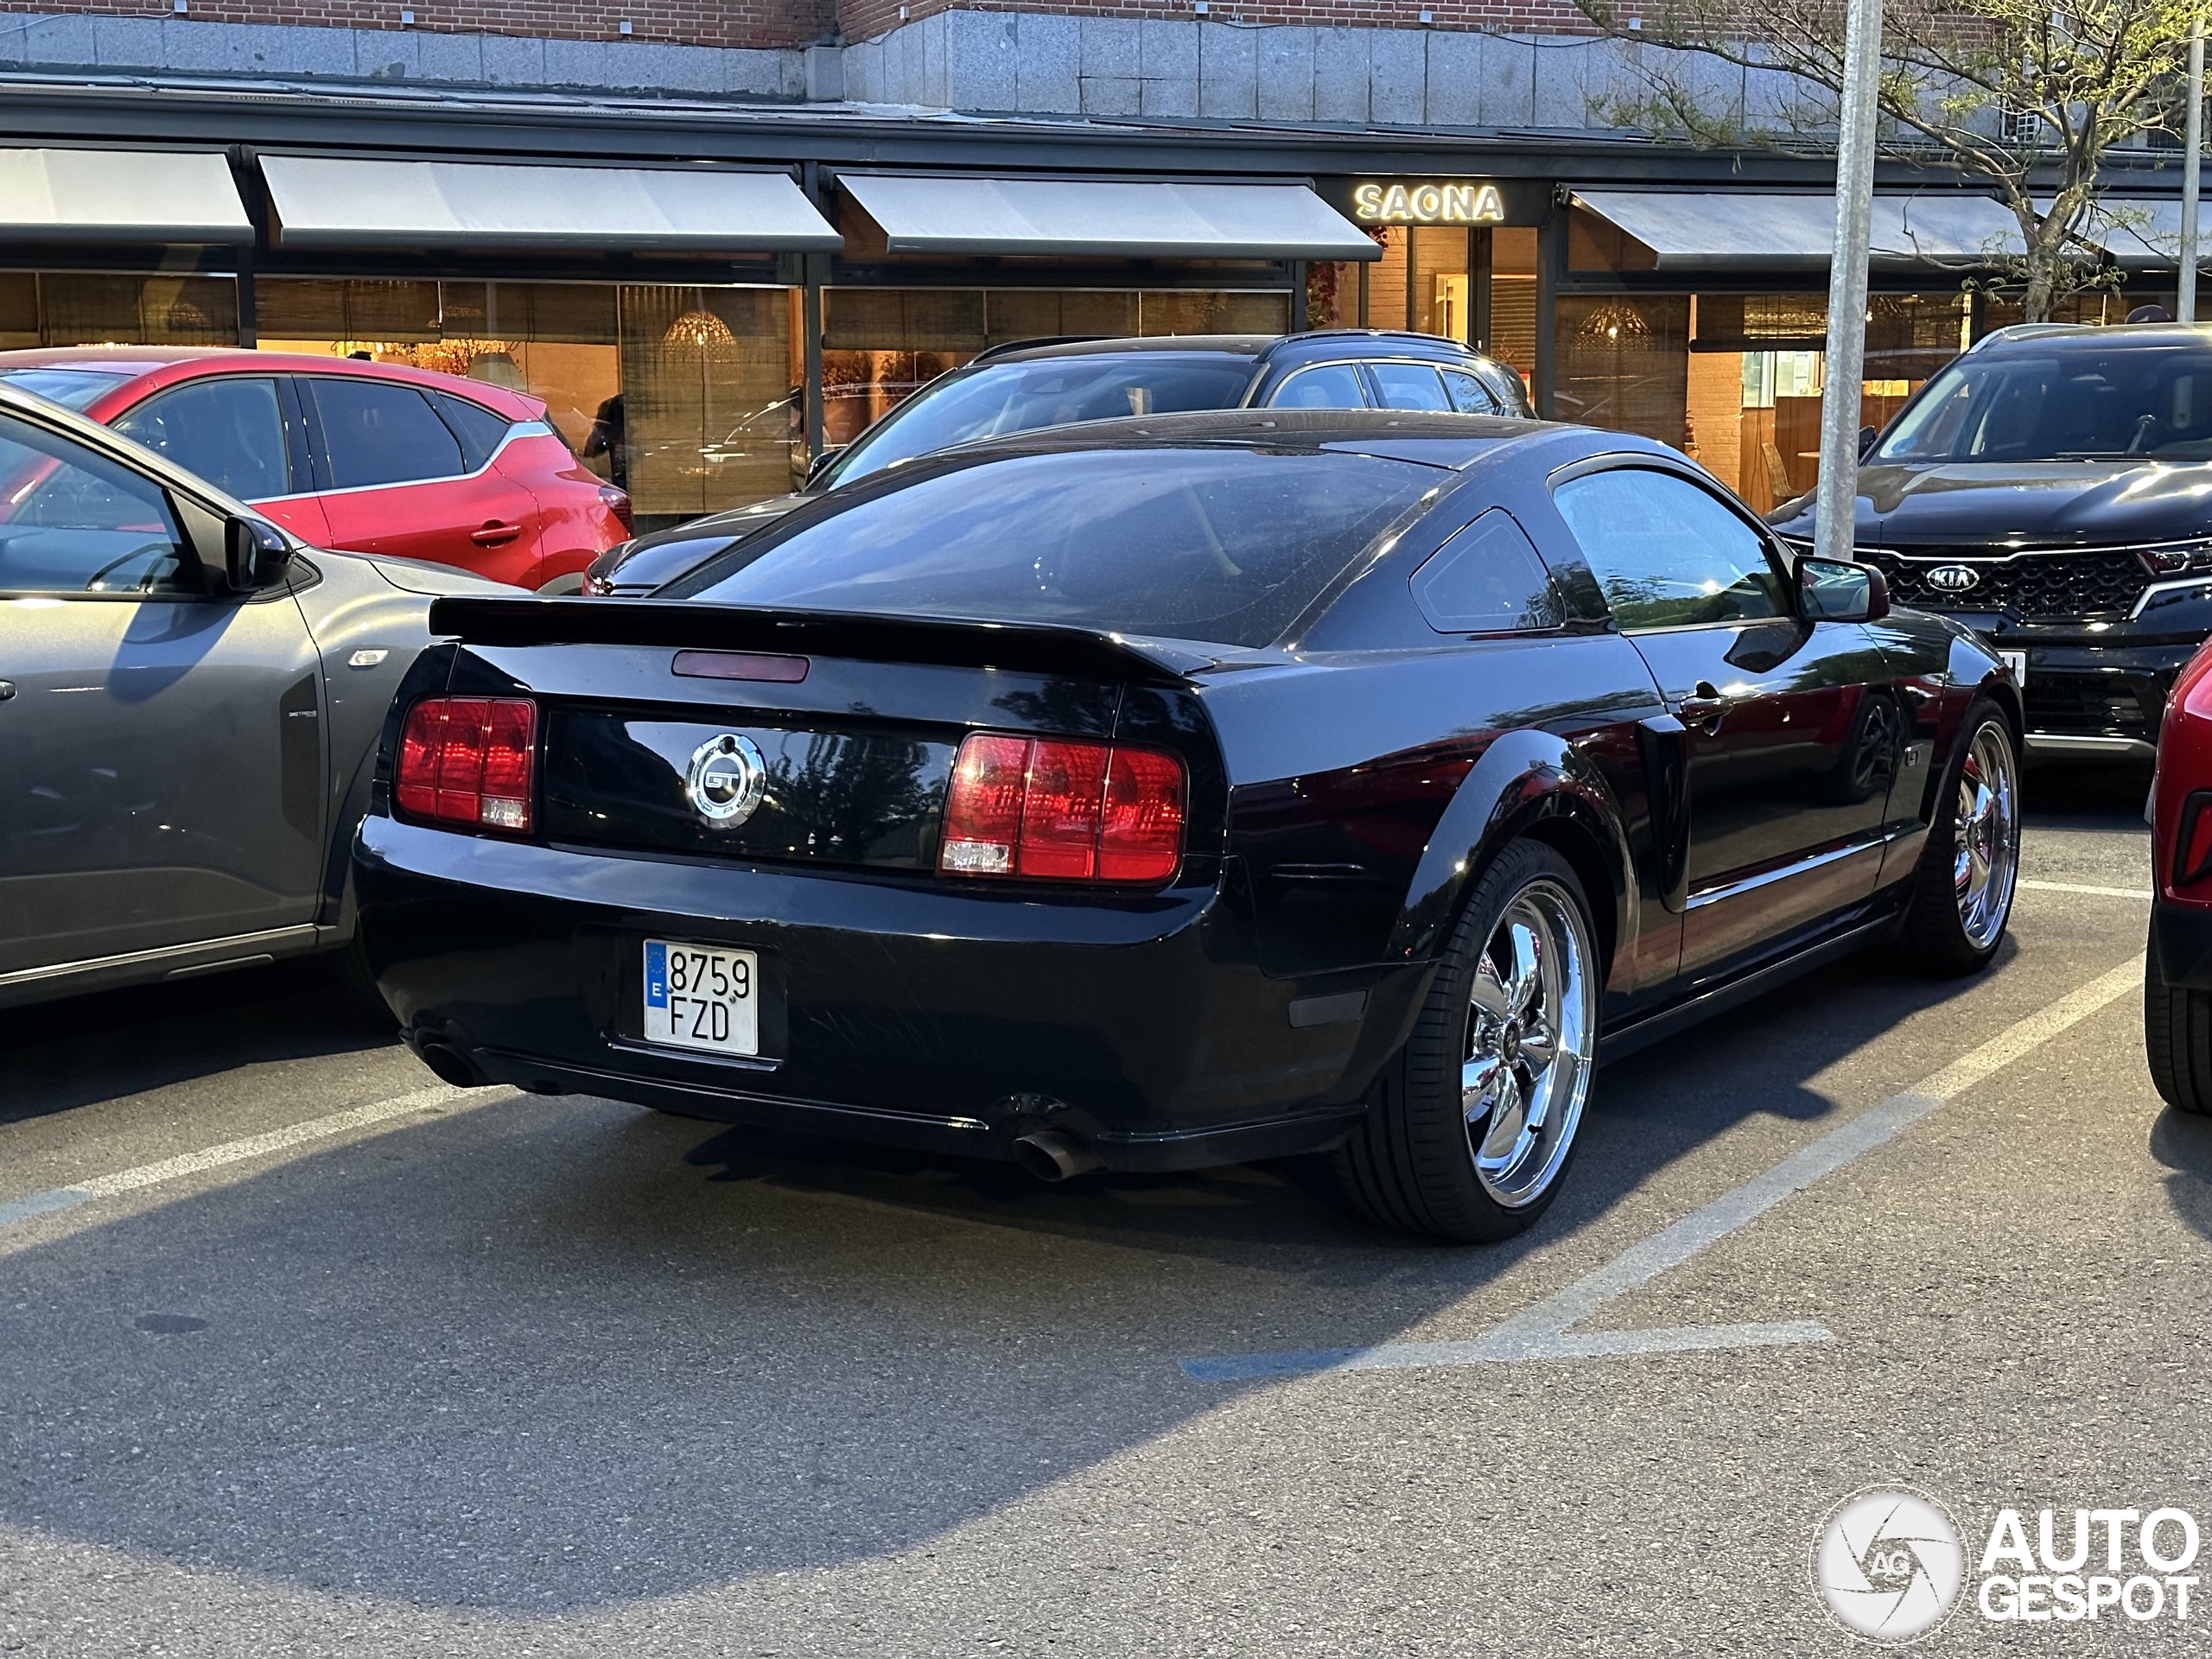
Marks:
<point>1962,892</point>
<point>1473,1122</point>
<point>2177,1039</point>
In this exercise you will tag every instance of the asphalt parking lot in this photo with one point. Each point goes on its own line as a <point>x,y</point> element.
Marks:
<point>305,1353</point>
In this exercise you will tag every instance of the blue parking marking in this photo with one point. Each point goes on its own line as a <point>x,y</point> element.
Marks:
<point>656,974</point>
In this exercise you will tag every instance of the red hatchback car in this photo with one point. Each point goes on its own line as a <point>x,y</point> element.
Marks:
<point>369,457</point>
<point>2177,974</point>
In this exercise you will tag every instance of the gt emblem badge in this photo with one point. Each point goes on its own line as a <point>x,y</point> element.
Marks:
<point>728,780</point>
<point>1953,578</point>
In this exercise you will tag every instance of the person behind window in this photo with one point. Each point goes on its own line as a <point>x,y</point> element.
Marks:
<point>605,438</point>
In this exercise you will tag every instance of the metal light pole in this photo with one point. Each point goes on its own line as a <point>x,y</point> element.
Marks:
<point>1836,506</point>
<point>2185,293</point>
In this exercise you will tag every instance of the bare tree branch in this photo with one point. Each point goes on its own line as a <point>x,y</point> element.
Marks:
<point>2009,92</point>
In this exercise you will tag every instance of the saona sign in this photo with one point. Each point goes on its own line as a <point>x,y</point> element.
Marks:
<point>1456,201</point>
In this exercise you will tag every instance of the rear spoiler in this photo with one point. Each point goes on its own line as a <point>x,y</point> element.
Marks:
<point>1022,647</point>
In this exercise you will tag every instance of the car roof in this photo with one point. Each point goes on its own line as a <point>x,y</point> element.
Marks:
<point>1336,342</point>
<point>1436,440</point>
<point>165,365</point>
<point>1248,346</point>
<point>2042,336</point>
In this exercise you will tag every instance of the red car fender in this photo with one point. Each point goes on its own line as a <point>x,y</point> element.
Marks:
<point>2184,768</point>
<point>577,521</point>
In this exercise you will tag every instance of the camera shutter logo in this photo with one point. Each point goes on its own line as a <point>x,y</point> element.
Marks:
<point>1888,1563</point>
<point>726,780</point>
<point>1953,578</point>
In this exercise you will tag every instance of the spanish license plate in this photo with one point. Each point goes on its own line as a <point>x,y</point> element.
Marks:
<point>703,996</point>
<point>2018,662</point>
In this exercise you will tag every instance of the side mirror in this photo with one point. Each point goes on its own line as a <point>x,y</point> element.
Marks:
<point>822,464</point>
<point>1829,590</point>
<point>1867,438</point>
<point>257,555</point>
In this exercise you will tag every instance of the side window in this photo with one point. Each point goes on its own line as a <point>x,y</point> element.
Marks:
<point>1408,385</point>
<point>1469,395</point>
<point>1667,554</point>
<point>478,431</point>
<point>1332,385</point>
<point>230,431</point>
<point>378,432</point>
<point>1487,579</point>
<point>72,521</point>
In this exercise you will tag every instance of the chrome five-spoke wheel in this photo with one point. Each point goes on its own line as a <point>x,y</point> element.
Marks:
<point>1532,1032</point>
<point>1985,858</point>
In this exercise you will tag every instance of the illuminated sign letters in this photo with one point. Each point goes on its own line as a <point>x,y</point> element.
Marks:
<point>1458,201</point>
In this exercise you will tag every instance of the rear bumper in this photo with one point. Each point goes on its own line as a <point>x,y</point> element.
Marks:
<point>2182,936</point>
<point>892,1010</point>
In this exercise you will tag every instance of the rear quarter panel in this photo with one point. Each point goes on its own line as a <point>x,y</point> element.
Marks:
<point>1368,790</point>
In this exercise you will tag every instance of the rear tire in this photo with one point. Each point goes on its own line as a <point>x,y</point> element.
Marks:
<point>1962,892</point>
<point>1473,1124</point>
<point>2177,1039</point>
<point>351,964</point>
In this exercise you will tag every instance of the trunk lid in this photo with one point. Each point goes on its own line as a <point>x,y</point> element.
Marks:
<point>647,708</point>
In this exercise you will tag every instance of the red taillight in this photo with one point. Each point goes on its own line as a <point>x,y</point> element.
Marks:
<point>618,503</point>
<point>469,760</point>
<point>1141,837</point>
<point>2193,847</point>
<point>1057,810</point>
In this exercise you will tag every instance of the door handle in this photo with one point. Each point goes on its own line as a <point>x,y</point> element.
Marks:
<point>494,533</point>
<point>7,689</point>
<point>1703,709</point>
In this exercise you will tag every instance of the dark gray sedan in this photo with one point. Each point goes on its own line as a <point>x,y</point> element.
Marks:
<point>189,700</point>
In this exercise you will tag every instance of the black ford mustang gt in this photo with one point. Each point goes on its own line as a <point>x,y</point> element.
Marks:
<point>1187,790</point>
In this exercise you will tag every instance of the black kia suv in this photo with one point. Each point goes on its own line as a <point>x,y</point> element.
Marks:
<point>1024,385</point>
<point>2052,488</point>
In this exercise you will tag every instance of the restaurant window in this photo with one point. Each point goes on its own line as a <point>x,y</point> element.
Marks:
<point>1756,373</point>
<point>1512,337</point>
<point>881,345</point>
<point>687,397</point>
<point>2094,305</point>
<point>98,308</point>
<point>1623,362</point>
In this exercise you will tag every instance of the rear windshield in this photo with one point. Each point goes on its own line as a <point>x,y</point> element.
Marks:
<point>1222,545</point>
<point>1005,398</point>
<point>2147,401</point>
<point>71,388</point>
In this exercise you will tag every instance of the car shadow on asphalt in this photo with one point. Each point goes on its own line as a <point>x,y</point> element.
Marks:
<point>57,1056</point>
<point>528,1359</point>
<point>2182,1142</point>
<point>1645,1112</point>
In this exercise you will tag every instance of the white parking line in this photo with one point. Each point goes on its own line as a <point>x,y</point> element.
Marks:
<point>440,1097</point>
<point>1546,1330</point>
<point>2076,887</point>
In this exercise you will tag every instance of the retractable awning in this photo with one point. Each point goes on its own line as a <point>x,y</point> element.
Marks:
<point>339,202</point>
<point>1750,230</point>
<point>120,195</point>
<point>1106,218</point>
